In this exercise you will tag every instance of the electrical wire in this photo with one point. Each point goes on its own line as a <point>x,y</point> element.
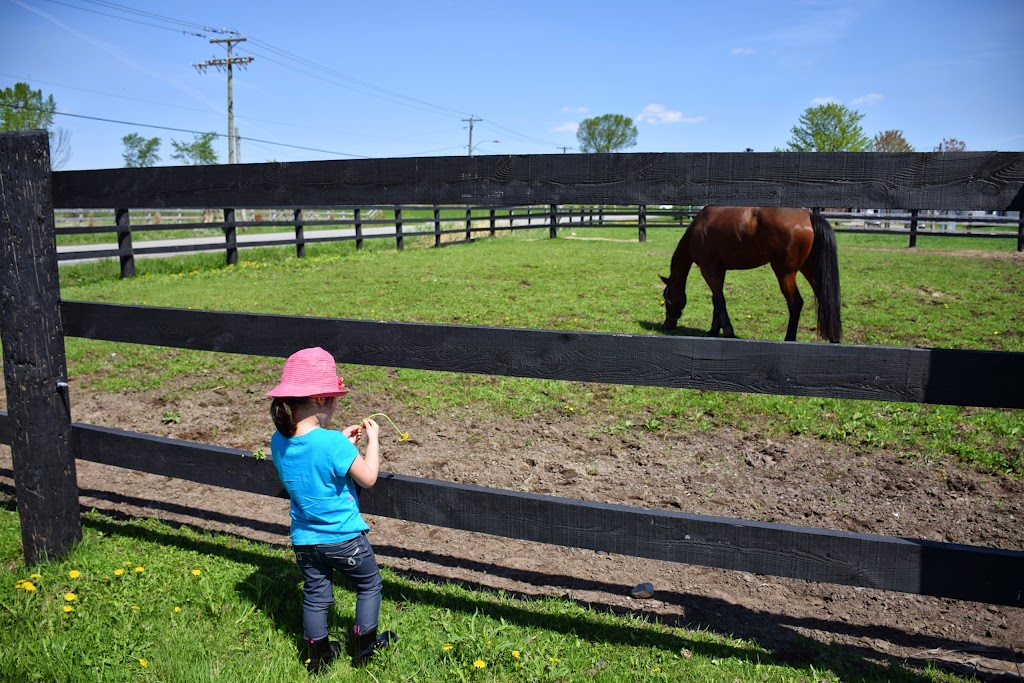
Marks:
<point>181,130</point>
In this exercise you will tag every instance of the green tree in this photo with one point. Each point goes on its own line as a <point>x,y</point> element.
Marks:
<point>951,145</point>
<point>22,108</point>
<point>199,152</point>
<point>140,152</point>
<point>829,128</point>
<point>892,141</point>
<point>607,133</point>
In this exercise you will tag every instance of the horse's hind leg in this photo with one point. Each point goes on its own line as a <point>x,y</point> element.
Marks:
<point>795,303</point>
<point>720,317</point>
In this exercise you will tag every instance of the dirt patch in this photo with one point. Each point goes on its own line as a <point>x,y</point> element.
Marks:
<point>791,479</point>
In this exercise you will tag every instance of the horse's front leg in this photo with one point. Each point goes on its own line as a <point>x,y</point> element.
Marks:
<point>720,316</point>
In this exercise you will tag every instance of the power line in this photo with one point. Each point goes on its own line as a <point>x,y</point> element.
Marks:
<point>134,21</point>
<point>181,130</point>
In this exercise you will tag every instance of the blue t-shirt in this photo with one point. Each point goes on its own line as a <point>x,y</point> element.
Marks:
<point>314,470</point>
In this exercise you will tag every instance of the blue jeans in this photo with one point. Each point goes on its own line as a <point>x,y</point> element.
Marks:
<point>353,559</point>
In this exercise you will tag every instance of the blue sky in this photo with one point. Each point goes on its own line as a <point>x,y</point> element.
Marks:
<point>388,79</point>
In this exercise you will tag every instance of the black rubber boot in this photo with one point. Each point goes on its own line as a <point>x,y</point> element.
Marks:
<point>321,653</point>
<point>365,645</point>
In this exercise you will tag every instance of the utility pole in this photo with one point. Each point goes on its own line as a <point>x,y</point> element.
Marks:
<point>227,64</point>
<point>564,149</point>
<point>471,120</point>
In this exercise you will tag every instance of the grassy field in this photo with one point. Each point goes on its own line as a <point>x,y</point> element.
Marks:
<point>139,600</point>
<point>892,296</point>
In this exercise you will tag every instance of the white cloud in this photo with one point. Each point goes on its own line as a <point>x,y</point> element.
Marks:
<point>870,98</point>
<point>741,52</point>
<point>575,110</point>
<point>567,127</point>
<point>657,113</point>
<point>825,100</point>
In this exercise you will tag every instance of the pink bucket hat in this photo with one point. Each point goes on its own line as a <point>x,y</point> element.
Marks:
<point>312,373</point>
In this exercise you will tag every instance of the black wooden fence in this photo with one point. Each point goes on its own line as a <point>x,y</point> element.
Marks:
<point>35,321</point>
<point>399,222</point>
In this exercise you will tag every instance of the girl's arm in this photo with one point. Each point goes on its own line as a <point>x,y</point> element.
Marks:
<point>365,467</point>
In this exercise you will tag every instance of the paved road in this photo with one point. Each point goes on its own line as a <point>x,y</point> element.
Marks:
<point>217,242</point>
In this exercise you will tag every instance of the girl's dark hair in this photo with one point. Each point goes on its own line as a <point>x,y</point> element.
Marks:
<point>282,412</point>
<point>288,412</point>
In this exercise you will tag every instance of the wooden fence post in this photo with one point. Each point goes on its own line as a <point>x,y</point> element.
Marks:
<point>469,223</point>
<point>230,237</point>
<point>913,228</point>
<point>399,238</point>
<point>300,234</point>
<point>437,225</point>
<point>553,225</point>
<point>124,242</point>
<point>357,217</point>
<point>641,222</point>
<point>491,218</point>
<point>1020,230</point>
<point>35,367</point>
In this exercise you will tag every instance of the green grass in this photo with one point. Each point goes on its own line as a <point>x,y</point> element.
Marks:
<point>892,296</point>
<point>142,601</point>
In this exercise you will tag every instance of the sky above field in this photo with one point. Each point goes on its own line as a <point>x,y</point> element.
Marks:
<point>336,79</point>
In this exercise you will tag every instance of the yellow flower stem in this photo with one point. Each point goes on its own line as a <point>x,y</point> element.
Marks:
<point>403,435</point>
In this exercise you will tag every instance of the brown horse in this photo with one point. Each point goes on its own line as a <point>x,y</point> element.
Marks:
<point>722,238</point>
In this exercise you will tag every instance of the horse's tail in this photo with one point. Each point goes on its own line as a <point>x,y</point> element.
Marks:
<point>826,265</point>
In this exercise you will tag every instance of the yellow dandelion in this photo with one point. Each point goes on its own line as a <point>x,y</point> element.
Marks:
<point>515,654</point>
<point>554,660</point>
<point>136,607</point>
<point>196,572</point>
<point>35,576</point>
<point>488,643</point>
<point>996,332</point>
<point>127,564</point>
<point>480,664</point>
<point>70,597</point>
<point>21,582</point>
<point>74,574</point>
<point>68,609</point>
<point>448,647</point>
<point>139,569</point>
<point>28,586</point>
<point>143,663</point>
<point>118,572</point>
<point>177,610</point>
<point>656,670</point>
<point>568,409</point>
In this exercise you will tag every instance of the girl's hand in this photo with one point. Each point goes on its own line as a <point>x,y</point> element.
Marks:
<point>372,429</point>
<point>352,432</point>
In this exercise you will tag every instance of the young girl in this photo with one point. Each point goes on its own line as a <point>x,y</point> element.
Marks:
<point>320,469</point>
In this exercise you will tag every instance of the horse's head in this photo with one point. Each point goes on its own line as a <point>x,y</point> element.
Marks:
<point>675,299</point>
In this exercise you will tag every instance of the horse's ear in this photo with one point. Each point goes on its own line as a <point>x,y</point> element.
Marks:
<point>664,279</point>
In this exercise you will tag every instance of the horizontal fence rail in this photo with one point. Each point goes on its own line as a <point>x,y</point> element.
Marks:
<point>989,181</point>
<point>938,376</point>
<point>946,570</point>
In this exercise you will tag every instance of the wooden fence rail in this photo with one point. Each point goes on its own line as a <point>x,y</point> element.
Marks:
<point>982,181</point>
<point>948,570</point>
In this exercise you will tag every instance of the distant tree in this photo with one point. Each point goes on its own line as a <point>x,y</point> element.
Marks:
<point>951,145</point>
<point>892,141</point>
<point>22,108</point>
<point>199,152</point>
<point>607,133</point>
<point>140,152</point>
<point>829,128</point>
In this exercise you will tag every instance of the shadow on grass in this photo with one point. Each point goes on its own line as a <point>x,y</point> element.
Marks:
<point>275,588</point>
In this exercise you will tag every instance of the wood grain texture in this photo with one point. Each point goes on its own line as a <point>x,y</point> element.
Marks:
<point>912,566</point>
<point>920,180</point>
<point>35,368</point>
<point>938,376</point>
